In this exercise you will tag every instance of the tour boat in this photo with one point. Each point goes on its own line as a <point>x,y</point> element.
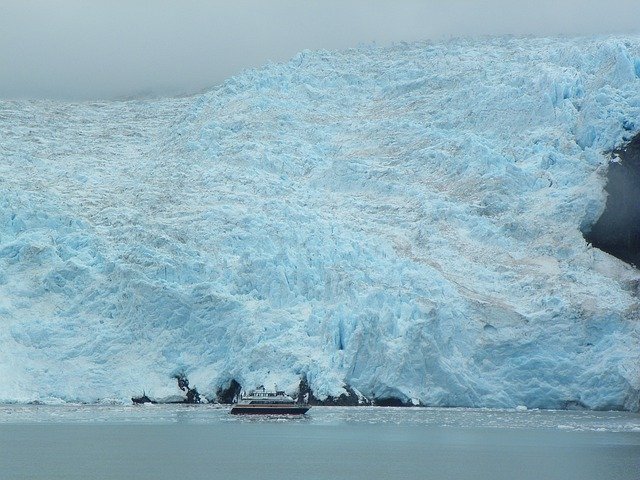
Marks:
<point>262,402</point>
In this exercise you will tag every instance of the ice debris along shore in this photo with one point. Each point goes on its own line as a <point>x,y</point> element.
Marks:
<point>407,221</point>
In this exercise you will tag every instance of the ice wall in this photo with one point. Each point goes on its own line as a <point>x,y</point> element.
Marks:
<point>403,220</point>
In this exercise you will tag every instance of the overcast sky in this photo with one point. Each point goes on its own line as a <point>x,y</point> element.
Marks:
<point>102,49</point>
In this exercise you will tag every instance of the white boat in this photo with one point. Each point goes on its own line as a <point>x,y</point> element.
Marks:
<point>262,402</point>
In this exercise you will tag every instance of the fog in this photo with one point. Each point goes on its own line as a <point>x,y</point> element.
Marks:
<point>105,49</point>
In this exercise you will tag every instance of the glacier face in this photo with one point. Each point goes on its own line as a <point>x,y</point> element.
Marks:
<point>404,220</point>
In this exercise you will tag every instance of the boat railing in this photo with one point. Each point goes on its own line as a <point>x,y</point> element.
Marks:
<point>253,393</point>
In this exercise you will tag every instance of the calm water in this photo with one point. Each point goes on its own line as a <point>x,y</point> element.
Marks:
<point>204,442</point>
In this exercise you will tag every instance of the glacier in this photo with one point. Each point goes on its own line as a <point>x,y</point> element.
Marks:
<point>406,221</point>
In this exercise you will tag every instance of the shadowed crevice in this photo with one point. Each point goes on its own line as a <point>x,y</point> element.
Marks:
<point>617,231</point>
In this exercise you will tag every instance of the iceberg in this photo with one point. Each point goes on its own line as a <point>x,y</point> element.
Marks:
<point>406,222</point>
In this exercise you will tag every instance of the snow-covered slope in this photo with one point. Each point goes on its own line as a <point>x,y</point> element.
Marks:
<point>403,220</point>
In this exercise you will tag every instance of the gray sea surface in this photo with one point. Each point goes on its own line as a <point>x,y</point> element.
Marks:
<point>205,442</point>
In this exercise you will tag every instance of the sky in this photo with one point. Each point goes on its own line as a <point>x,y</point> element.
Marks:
<point>111,49</point>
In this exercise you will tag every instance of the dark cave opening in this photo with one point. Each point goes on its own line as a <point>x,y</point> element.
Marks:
<point>617,231</point>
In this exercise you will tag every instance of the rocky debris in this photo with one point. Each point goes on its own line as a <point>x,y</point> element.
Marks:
<point>391,402</point>
<point>143,399</point>
<point>229,394</point>
<point>192,393</point>
<point>351,398</point>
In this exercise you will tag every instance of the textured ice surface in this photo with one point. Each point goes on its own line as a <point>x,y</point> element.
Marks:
<point>405,220</point>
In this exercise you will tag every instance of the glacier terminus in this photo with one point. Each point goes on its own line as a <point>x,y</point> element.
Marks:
<point>405,222</point>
